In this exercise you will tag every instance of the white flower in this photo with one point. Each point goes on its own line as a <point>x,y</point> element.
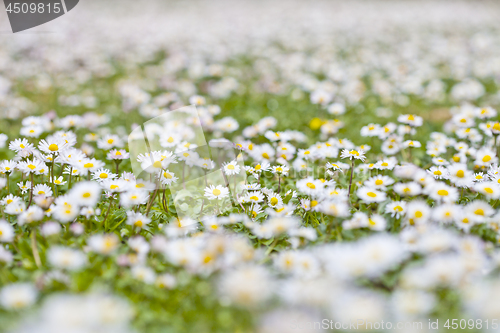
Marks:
<point>6,231</point>
<point>104,244</point>
<point>86,193</point>
<point>231,168</point>
<point>18,295</point>
<point>66,258</point>
<point>370,195</point>
<point>216,192</point>
<point>353,154</point>
<point>396,208</point>
<point>137,220</point>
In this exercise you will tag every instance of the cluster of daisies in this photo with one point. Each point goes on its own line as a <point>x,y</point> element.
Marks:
<point>361,179</point>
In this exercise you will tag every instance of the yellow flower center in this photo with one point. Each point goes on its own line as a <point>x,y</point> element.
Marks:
<point>217,192</point>
<point>379,182</point>
<point>53,147</point>
<point>487,158</point>
<point>103,175</point>
<point>442,193</point>
<point>86,195</point>
<point>371,194</point>
<point>311,185</point>
<point>230,167</point>
<point>460,173</point>
<point>274,201</point>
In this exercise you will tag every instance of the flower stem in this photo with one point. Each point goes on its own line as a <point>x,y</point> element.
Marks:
<point>34,249</point>
<point>350,181</point>
<point>31,191</point>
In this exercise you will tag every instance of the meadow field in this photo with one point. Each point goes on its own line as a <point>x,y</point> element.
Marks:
<point>362,183</point>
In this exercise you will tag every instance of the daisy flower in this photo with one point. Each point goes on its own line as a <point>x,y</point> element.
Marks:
<point>137,220</point>
<point>460,175</point>
<point>104,244</point>
<point>168,178</point>
<point>28,166</point>
<point>8,166</point>
<point>396,208</point>
<point>376,222</point>
<point>379,182</point>
<point>353,154</point>
<point>370,195</point>
<point>54,146</point>
<point>281,170</point>
<point>485,157</point>
<point>442,192</point>
<point>254,197</point>
<point>490,190</point>
<point>19,145</point>
<point>438,172</point>
<point>133,197</point>
<point>411,119</point>
<point>216,192</point>
<point>310,186</point>
<point>118,154</point>
<point>60,181</point>
<point>101,174</point>
<point>446,213</point>
<point>42,189</point>
<point>417,212</point>
<point>231,168</point>
<point>86,193</point>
